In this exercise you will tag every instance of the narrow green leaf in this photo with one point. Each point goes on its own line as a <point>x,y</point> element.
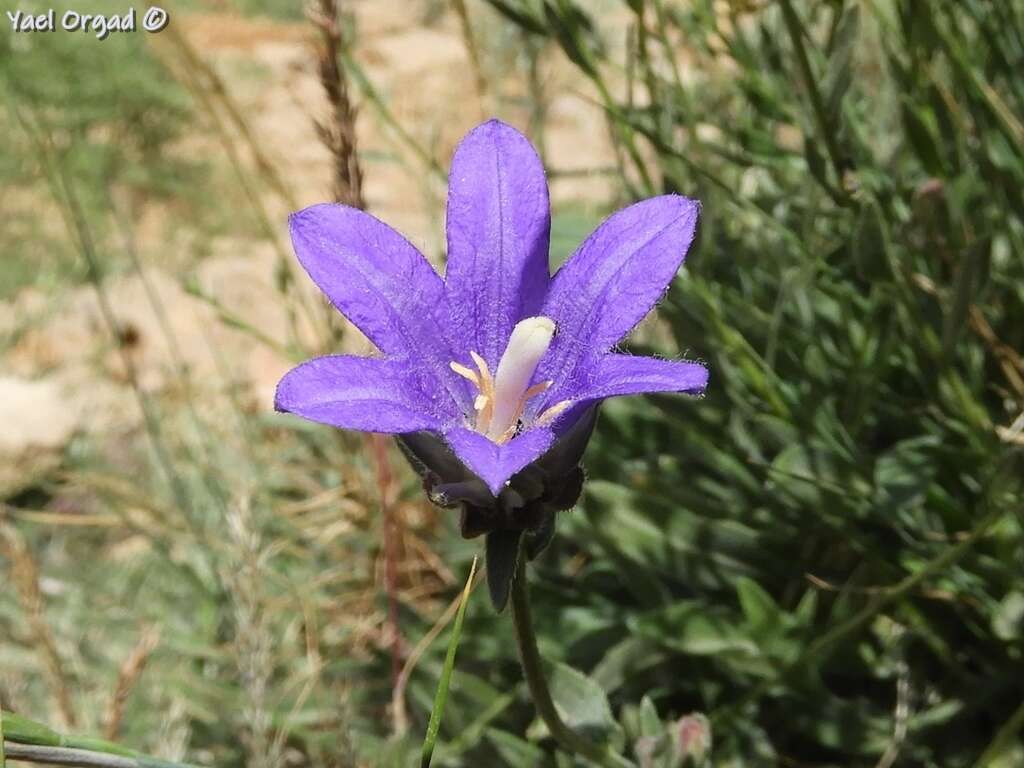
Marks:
<point>923,139</point>
<point>3,760</point>
<point>840,72</point>
<point>869,245</point>
<point>815,160</point>
<point>965,287</point>
<point>437,712</point>
<point>25,731</point>
<point>21,730</point>
<point>522,15</point>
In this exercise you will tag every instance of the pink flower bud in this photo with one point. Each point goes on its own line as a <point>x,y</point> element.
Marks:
<point>694,734</point>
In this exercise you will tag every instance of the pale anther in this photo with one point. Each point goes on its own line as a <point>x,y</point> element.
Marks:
<point>466,373</point>
<point>552,413</point>
<point>502,398</point>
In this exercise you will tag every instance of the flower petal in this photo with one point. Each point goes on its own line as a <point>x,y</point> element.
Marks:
<point>614,374</point>
<point>498,226</point>
<point>364,393</point>
<point>615,278</point>
<point>372,274</point>
<point>493,463</point>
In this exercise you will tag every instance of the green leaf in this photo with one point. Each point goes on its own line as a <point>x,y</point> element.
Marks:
<point>840,72</point>
<point>25,731</point>
<point>805,609</point>
<point>650,723</point>
<point>575,32</point>
<point>693,627</point>
<point>923,139</point>
<point>521,14</point>
<point>1008,619</point>
<point>965,288</point>
<point>437,712</point>
<point>870,242</point>
<point>628,657</point>
<point>514,750</point>
<point>816,163</point>
<point>758,607</point>
<point>15,728</point>
<point>903,474</point>
<point>582,703</point>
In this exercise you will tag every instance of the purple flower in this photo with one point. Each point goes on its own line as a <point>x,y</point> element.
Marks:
<point>498,364</point>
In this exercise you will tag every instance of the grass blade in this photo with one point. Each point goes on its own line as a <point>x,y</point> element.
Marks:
<point>35,742</point>
<point>437,711</point>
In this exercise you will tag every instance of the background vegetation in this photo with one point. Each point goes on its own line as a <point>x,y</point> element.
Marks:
<point>822,556</point>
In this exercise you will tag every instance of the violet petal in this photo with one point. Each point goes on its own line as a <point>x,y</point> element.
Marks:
<point>498,224</point>
<point>614,374</point>
<point>493,463</point>
<point>614,279</point>
<point>380,282</point>
<point>364,393</point>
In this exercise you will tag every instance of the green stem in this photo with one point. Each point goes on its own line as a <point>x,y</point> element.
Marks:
<point>538,684</point>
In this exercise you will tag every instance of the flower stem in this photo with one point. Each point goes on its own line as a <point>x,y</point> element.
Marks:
<point>538,685</point>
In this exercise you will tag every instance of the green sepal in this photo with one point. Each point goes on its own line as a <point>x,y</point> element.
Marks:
<point>502,558</point>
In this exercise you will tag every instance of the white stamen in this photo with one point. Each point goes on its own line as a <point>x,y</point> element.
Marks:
<point>485,402</point>
<point>552,413</point>
<point>529,341</point>
<point>466,373</point>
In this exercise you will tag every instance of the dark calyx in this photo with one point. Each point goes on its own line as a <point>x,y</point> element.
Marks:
<point>524,510</point>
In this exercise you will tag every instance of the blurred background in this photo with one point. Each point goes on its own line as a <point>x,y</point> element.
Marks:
<point>817,564</point>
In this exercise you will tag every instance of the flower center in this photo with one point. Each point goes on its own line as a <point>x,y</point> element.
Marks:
<point>502,398</point>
